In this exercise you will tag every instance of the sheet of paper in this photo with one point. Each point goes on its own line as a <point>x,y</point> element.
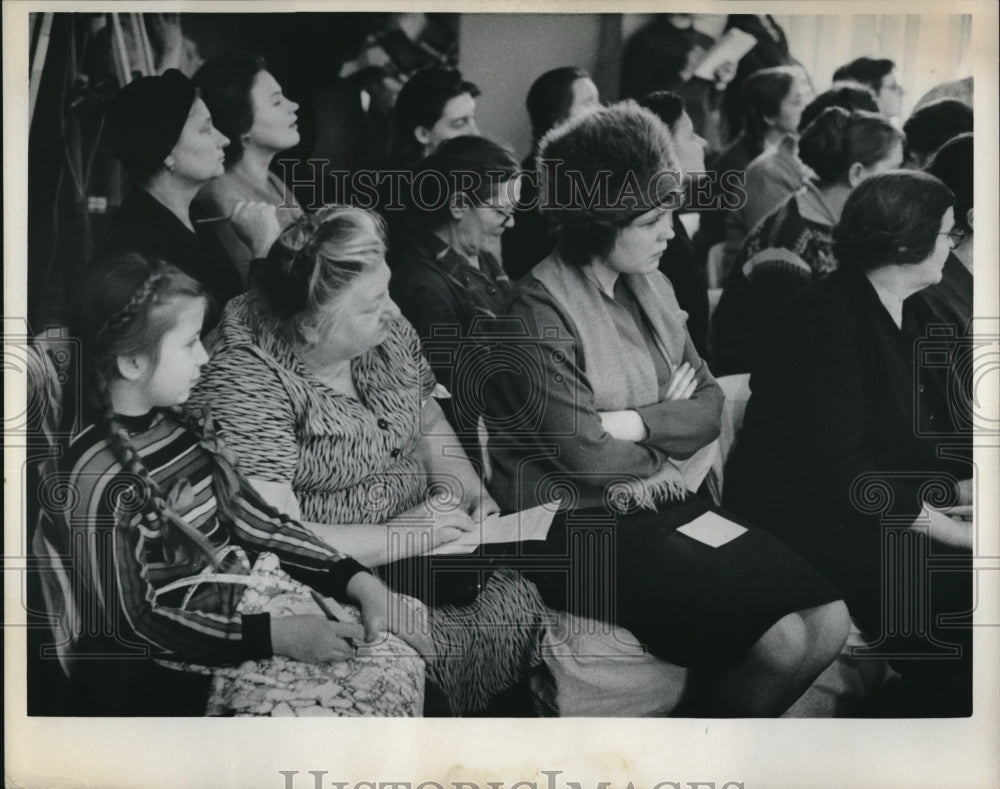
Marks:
<point>521,526</point>
<point>712,529</point>
<point>731,46</point>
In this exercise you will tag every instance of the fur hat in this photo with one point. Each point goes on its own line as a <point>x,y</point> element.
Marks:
<point>608,166</point>
<point>145,120</point>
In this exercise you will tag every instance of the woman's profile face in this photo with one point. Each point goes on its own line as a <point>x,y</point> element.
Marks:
<point>690,147</point>
<point>275,120</point>
<point>928,272</point>
<point>478,225</point>
<point>890,95</point>
<point>790,109</point>
<point>585,98</point>
<point>458,118</point>
<point>639,244</point>
<point>199,152</point>
<point>361,315</point>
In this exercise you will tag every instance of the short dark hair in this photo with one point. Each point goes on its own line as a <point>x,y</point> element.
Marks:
<point>932,125</point>
<point>761,97</point>
<point>891,218</point>
<point>665,104</point>
<point>471,166</point>
<point>868,71</point>
<point>225,83</point>
<point>953,165</point>
<point>838,138</point>
<point>420,103</point>
<point>849,95</point>
<point>550,97</point>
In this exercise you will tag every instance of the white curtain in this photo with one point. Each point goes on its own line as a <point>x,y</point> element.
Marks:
<point>927,48</point>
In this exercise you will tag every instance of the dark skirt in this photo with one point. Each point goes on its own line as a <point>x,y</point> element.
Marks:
<point>688,602</point>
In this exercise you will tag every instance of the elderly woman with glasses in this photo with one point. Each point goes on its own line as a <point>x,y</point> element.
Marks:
<point>847,450</point>
<point>463,200</point>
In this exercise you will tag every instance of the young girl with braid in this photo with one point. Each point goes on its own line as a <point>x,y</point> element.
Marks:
<point>155,500</point>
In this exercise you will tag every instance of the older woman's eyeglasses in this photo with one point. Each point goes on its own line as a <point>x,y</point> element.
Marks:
<point>955,237</point>
<point>506,213</point>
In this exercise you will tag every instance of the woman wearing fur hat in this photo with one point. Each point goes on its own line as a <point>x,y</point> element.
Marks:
<point>162,132</point>
<point>628,416</point>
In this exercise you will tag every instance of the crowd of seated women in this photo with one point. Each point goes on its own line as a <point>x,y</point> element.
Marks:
<point>524,351</point>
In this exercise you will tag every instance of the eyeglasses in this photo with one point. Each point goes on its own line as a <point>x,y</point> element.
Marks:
<point>955,237</point>
<point>507,214</point>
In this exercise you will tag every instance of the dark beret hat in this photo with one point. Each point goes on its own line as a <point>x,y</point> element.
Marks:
<point>145,119</point>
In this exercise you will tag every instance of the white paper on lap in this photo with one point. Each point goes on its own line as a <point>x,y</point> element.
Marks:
<point>712,529</point>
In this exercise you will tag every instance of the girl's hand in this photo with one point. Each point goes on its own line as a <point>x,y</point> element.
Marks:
<point>372,597</point>
<point>623,425</point>
<point>314,639</point>
<point>256,223</point>
<point>683,383</point>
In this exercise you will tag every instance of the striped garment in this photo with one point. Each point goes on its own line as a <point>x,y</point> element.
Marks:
<point>347,460</point>
<point>129,576</point>
<point>787,241</point>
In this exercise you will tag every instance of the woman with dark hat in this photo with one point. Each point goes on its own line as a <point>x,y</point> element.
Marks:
<point>624,416</point>
<point>162,132</point>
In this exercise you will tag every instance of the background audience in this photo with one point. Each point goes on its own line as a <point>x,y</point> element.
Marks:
<point>793,245</point>
<point>544,335</point>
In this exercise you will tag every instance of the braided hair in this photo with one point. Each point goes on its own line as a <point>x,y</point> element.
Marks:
<point>123,306</point>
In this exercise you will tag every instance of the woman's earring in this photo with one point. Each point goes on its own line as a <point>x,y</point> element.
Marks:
<point>169,163</point>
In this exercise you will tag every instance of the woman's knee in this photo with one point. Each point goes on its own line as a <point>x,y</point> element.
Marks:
<point>828,626</point>
<point>784,645</point>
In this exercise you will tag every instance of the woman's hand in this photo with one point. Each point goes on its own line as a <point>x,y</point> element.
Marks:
<point>623,425</point>
<point>443,525</point>
<point>965,491</point>
<point>945,529</point>
<point>256,223</point>
<point>480,505</point>
<point>683,383</point>
<point>724,74</point>
<point>314,639</point>
<point>383,610</point>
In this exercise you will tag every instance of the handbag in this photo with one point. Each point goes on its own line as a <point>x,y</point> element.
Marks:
<point>385,679</point>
